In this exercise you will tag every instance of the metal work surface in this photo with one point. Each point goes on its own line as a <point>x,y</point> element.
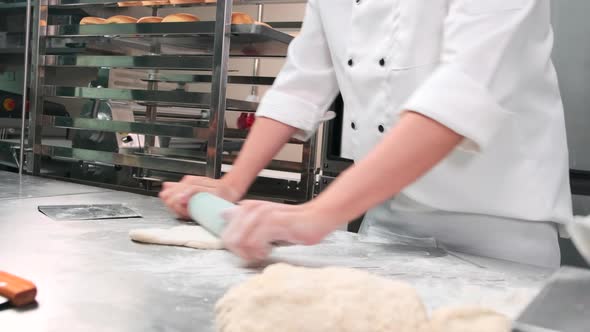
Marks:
<point>91,277</point>
<point>568,288</point>
<point>12,187</point>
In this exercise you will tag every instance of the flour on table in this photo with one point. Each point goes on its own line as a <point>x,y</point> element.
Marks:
<point>468,319</point>
<point>287,298</point>
<point>188,236</point>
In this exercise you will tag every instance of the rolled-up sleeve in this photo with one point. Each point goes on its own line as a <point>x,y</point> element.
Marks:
<point>482,54</point>
<point>306,85</point>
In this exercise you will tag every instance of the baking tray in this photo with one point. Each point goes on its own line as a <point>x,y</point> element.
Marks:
<point>181,37</point>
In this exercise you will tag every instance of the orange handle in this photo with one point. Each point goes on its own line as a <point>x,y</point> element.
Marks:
<point>17,290</point>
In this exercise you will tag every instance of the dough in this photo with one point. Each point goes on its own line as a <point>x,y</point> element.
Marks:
<point>188,236</point>
<point>468,319</point>
<point>286,298</point>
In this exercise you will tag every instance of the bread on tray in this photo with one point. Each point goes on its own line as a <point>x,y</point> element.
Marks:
<point>92,20</point>
<point>128,3</point>
<point>185,2</point>
<point>155,3</point>
<point>120,19</point>
<point>150,19</point>
<point>241,18</point>
<point>180,17</point>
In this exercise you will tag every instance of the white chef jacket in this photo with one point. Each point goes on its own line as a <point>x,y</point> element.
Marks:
<point>480,67</point>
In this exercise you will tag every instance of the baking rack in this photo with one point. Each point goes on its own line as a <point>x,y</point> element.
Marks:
<point>196,52</point>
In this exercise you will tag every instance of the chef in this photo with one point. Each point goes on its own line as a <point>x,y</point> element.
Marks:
<point>453,117</point>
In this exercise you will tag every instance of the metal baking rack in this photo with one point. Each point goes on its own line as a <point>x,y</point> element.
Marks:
<point>171,131</point>
<point>246,39</point>
<point>86,3</point>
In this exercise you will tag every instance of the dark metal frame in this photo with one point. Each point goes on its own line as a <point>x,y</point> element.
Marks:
<point>580,182</point>
<point>331,162</point>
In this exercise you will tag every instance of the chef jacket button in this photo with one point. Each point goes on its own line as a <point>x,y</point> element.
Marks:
<point>381,128</point>
<point>350,62</point>
<point>353,125</point>
<point>382,62</point>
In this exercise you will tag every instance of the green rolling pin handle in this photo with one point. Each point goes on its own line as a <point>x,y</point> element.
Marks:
<point>207,210</point>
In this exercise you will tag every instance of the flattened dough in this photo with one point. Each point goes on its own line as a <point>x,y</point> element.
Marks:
<point>188,236</point>
<point>293,299</point>
<point>469,319</point>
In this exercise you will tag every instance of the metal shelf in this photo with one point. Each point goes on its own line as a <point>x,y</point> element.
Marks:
<point>20,7</point>
<point>113,158</point>
<point>179,45</point>
<point>54,51</point>
<point>173,142</point>
<point>90,3</point>
<point>197,154</point>
<point>173,38</point>
<point>139,62</point>
<point>157,158</point>
<point>202,28</point>
<point>156,129</point>
<point>185,79</point>
<point>151,97</point>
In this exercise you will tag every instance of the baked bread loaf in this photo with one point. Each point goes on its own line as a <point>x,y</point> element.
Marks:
<point>155,3</point>
<point>120,19</point>
<point>128,3</point>
<point>184,2</point>
<point>241,18</point>
<point>92,20</point>
<point>150,19</point>
<point>180,17</point>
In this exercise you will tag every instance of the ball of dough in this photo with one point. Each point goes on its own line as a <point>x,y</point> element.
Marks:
<point>287,298</point>
<point>468,319</point>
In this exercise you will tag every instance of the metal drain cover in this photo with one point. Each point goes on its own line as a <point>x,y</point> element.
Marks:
<point>88,212</point>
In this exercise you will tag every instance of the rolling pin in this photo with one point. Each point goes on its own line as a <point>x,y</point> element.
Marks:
<point>18,291</point>
<point>207,209</point>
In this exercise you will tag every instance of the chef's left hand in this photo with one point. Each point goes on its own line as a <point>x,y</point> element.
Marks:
<point>253,226</point>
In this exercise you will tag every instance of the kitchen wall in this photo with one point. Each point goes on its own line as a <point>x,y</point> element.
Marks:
<point>572,60</point>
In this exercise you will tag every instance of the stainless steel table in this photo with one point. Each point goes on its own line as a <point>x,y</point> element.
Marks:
<point>91,277</point>
<point>12,186</point>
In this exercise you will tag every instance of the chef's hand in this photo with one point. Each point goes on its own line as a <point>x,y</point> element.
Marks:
<point>177,194</point>
<point>253,226</point>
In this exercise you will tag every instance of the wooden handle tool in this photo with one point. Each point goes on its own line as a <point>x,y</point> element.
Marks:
<point>18,291</point>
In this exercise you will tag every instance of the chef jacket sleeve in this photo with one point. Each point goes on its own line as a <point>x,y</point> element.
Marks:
<point>483,52</point>
<point>306,86</point>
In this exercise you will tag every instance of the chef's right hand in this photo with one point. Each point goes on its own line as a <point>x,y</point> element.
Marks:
<point>177,194</point>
